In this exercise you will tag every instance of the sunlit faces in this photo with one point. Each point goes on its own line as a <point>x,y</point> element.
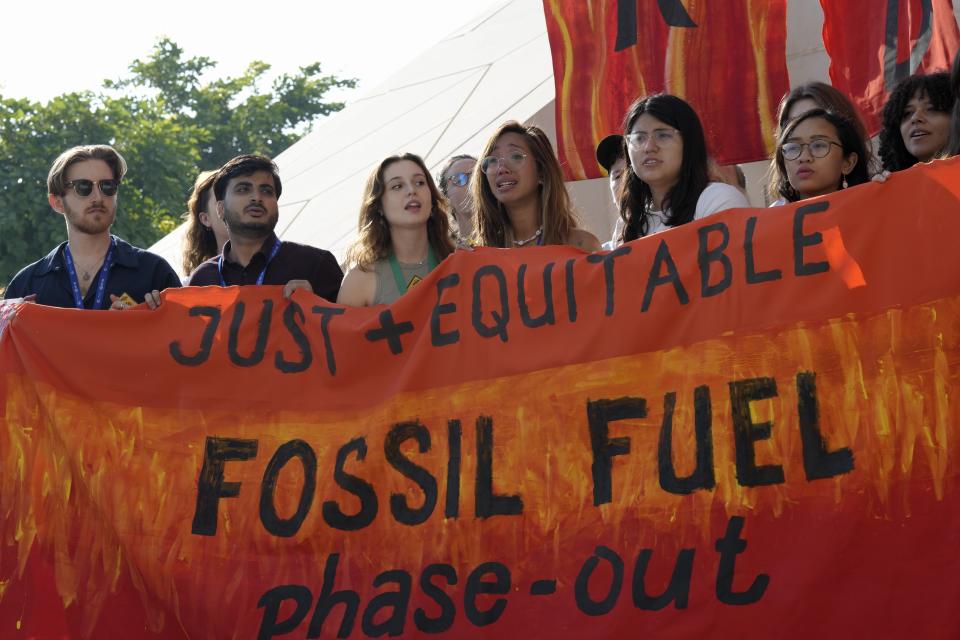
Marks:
<point>924,129</point>
<point>406,199</point>
<point>210,219</point>
<point>92,214</point>
<point>513,176</point>
<point>809,175</point>
<point>616,173</point>
<point>656,152</point>
<point>249,205</point>
<point>800,107</point>
<point>459,194</point>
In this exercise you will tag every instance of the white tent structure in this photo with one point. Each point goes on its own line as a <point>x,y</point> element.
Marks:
<point>447,101</point>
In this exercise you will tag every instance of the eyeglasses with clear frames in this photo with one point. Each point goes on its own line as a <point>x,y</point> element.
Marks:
<point>512,160</point>
<point>660,136</point>
<point>818,148</point>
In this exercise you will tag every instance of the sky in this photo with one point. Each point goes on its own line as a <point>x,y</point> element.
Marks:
<point>52,47</point>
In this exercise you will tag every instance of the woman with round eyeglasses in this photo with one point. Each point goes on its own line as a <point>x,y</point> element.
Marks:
<point>806,97</point>
<point>455,186</point>
<point>404,233</point>
<point>667,178</point>
<point>819,152</point>
<point>519,194</point>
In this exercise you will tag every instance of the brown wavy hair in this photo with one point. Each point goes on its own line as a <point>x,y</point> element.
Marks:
<point>373,241</point>
<point>556,212</point>
<point>199,243</point>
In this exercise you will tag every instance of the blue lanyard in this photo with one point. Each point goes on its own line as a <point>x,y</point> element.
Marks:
<point>101,281</point>
<point>273,253</point>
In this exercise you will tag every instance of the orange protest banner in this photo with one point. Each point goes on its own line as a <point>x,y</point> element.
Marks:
<point>745,423</point>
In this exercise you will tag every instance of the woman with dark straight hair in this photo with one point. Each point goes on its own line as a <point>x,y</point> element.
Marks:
<point>404,233</point>
<point>666,182</point>
<point>817,95</point>
<point>916,121</point>
<point>519,194</point>
<point>819,152</point>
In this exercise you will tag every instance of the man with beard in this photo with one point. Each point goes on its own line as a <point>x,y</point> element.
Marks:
<point>247,189</point>
<point>92,269</point>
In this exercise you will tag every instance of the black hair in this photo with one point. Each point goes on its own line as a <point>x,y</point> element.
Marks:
<point>850,141</point>
<point>953,146</point>
<point>245,165</point>
<point>935,87</point>
<point>635,195</point>
<point>830,99</point>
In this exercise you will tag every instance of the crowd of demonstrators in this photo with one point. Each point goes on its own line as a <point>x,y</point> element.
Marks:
<point>403,233</point>
<point>660,176</point>
<point>205,234</point>
<point>519,193</point>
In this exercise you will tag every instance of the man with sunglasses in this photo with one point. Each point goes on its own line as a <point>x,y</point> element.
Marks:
<point>92,269</point>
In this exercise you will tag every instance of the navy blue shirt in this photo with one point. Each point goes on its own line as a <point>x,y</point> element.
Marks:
<point>293,262</point>
<point>133,271</point>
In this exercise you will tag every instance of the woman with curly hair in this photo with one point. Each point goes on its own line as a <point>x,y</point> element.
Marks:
<point>519,195</point>
<point>206,233</point>
<point>404,233</point>
<point>819,152</point>
<point>667,181</point>
<point>916,121</point>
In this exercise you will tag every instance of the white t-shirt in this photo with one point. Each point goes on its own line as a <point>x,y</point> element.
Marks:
<point>718,196</point>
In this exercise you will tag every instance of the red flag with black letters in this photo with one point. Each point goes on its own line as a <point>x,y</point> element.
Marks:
<point>728,60</point>
<point>874,44</point>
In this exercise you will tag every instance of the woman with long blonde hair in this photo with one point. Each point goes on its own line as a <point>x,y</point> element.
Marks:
<point>519,194</point>
<point>404,232</point>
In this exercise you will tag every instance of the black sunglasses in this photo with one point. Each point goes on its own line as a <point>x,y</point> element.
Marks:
<point>84,187</point>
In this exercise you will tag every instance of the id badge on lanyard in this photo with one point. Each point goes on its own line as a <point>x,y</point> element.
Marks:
<point>101,280</point>
<point>273,253</point>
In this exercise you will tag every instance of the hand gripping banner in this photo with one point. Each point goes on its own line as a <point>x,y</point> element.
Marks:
<point>746,423</point>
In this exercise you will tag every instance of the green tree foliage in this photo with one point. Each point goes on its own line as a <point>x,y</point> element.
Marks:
<point>168,120</point>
